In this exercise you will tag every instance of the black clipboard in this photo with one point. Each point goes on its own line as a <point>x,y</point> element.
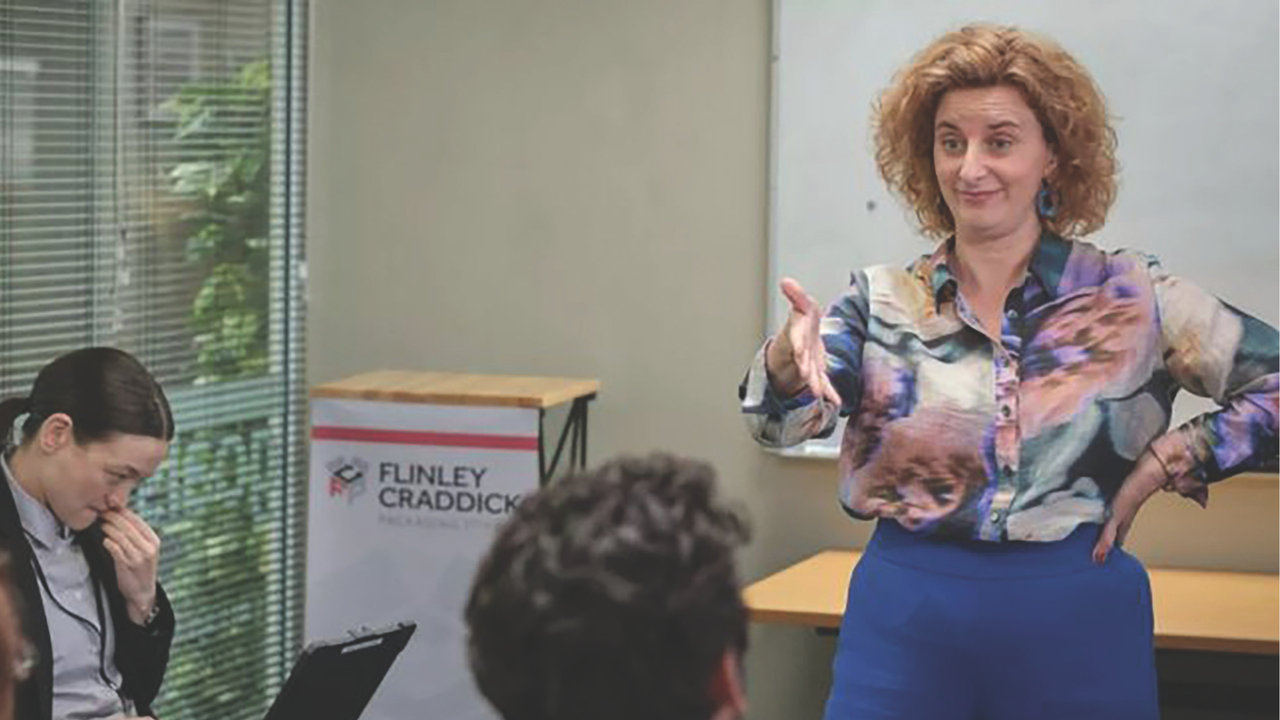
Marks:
<point>334,679</point>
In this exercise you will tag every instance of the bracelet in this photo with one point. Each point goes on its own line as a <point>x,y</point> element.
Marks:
<point>152,614</point>
<point>1159,460</point>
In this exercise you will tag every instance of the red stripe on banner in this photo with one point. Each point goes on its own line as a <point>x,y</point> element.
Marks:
<point>434,439</point>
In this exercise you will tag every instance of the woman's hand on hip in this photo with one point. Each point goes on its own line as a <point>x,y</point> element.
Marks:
<point>1147,477</point>
<point>135,547</point>
<point>796,358</point>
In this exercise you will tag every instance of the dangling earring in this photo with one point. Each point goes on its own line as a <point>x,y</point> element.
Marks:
<point>1047,200</point>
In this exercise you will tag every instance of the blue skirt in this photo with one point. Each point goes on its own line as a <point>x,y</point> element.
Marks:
<point>969,630</point>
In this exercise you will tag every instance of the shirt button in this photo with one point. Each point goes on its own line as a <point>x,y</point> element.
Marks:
<point>995,516</point>
<point>1011,313</point>
<point>1005,411</point>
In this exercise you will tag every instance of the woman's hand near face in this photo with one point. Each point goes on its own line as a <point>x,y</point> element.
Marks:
<point>135,548</point>
<point>796,358</point>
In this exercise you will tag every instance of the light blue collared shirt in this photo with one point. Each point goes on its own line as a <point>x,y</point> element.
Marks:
<point>86,682</point>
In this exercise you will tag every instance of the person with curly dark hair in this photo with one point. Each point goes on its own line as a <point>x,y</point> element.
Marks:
<point>614,593</point>
<point>1009,399</point>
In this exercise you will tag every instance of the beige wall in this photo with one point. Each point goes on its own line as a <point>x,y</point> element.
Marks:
<point>579,188</point>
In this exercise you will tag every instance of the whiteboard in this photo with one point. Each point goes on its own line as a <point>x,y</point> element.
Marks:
<point>1193,87</point>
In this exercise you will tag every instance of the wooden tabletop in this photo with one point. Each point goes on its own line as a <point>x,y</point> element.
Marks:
<point>457,389</point>
<point>1194,609</point>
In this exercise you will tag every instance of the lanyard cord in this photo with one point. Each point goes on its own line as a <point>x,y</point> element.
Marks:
<point>99,630</point>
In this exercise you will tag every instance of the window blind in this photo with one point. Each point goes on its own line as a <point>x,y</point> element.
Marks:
<point>151,198</point>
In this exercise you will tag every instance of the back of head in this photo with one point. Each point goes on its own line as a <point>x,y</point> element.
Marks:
<point>103,390</point>
<point>610,594</point>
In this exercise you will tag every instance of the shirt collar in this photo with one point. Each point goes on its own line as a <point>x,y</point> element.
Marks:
<point>1048,261</point>
<point>37,519</point>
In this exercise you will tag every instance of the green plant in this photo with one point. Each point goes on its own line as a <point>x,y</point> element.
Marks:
<point>221,596</point>
<point>221,136</point>
<point>223,140</point>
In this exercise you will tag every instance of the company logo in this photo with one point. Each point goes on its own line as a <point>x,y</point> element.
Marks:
<point>346,478</point>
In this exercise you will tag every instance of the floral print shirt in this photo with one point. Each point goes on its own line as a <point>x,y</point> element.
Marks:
<point>952,433</point>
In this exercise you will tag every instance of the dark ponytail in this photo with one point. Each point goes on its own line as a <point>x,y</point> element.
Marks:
<point>10,410</point>
<point>103,390</point>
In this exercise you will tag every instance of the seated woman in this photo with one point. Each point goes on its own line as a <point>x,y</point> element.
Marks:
<point>83,565</point>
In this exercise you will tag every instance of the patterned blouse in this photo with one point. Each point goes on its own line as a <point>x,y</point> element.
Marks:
<point>954,434</point>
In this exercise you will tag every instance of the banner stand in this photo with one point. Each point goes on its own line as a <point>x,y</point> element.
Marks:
<point>410,475</point>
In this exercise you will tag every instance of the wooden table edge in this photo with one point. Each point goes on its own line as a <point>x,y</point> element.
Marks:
<point>823,620</point>
<point>589,389</point>
<point>1247,646</point>
<point>792,617</point>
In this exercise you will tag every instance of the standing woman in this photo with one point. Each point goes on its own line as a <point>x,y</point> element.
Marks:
<point>1009,400</point>
<point>83,565</point>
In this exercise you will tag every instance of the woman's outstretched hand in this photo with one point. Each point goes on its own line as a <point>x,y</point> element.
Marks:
<point>796,358</point>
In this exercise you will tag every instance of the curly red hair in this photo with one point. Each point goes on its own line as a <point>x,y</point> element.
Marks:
<point>1059,91</point>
